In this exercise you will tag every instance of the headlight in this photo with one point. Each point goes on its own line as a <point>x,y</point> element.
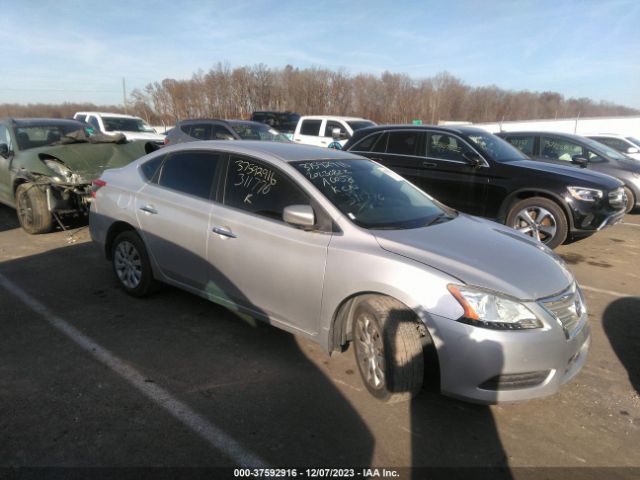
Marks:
<point>490,310</point>
<point>58,168</point>
<point>585,194</point>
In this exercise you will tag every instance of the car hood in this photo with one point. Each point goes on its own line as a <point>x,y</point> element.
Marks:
<point>585,175</point>
<point>89,160</point>
<point>150,137</point>
<point>482,253</point>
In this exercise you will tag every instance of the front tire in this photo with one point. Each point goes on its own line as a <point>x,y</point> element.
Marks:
<point>31,206</point>
<point>631,200</point>
<point>388,350</point>
<point>540,218</point>
<point>131,264</point>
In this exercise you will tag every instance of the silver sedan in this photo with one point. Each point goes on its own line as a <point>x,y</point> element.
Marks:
<point>339,249</point>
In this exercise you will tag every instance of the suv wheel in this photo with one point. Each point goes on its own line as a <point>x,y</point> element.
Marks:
<point>388,349</point>
<point>31,207</point>
<point>131,264</point>
<point>540,218</point>
<point>631,200</point>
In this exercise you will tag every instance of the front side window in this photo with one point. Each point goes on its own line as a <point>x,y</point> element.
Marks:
<point>219,132</point>
<point>446,147</point>
<point>328,129</point>
<point>94,122</point>
<point>5,137</point>
<point>258,188</point>
<point>310,127</point>
<point>560,149</point>
<point>190,172</point>
<point>372,196</point>
<point>200,131</point>
<point>523,143</point>
<point>494,147</point>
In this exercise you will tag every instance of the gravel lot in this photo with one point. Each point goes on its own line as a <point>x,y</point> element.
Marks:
<point>280,398</point>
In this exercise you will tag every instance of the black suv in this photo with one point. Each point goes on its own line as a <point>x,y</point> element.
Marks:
<point>478,173</point>
<point>577,151</point>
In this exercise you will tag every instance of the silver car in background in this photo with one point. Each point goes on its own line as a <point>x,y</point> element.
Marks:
<point>338,249</point>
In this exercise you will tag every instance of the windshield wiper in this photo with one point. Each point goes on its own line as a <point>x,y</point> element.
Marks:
<point>439,219</point>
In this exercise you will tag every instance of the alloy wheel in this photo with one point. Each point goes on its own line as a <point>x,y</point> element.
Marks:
<point>128,264</point>
<point>537,222</point>
<point>370,351</point>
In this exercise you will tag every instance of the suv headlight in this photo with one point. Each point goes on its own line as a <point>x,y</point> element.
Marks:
<point>491,310</point>
<point>585,194</point>
<point>59,168</point>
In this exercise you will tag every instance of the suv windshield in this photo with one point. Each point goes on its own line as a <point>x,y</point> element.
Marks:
<point>35,136</point>
<point>373,196</point>
<point>248,131</point>
<point>498,149</point>
<point>358,124</point>
<point>123,124</point>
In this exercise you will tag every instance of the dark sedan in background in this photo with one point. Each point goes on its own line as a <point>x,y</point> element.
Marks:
<point>478,173</point>
<point>577,151</point>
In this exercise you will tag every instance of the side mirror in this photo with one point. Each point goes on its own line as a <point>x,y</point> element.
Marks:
<point>299,215</point>
<point>633,150</point>
<point>473,158</point>
<point>335,133</point>
<point>4,150</point>
<point>581,161</point>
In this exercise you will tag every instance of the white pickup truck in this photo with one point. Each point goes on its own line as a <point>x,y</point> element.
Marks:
<point>134,128</point>
<point>319,129</point>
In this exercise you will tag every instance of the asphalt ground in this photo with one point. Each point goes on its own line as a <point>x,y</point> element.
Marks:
<point>92,378</point>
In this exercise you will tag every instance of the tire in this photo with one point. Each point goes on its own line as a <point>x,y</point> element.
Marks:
<point>631,200</point>
<point>387,349</point>
<point>31,208</point>
<point>131,264</point>
<point>540,218</point>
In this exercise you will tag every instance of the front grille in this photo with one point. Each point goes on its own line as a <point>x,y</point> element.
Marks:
<point>617,198</point>
<point>512,381</point>
<point>568,308</point>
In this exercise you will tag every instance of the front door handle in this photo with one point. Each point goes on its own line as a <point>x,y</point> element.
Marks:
<point>225,232</point>
<point>429,164</point>
<point>149,209</point>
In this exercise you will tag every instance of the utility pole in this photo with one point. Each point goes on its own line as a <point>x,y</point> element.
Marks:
<point>124,96</point>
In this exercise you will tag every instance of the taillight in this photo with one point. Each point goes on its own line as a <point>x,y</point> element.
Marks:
<point>166,141</point>
<point>96,185</point>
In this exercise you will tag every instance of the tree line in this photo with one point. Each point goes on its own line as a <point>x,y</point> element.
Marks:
<point>225,92</point>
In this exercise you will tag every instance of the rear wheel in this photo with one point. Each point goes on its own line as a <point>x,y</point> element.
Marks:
<point>388,348</point>
<point>131,264</point>
<point>31,207</point>
<point>540,218</point>
<point>631,200</point>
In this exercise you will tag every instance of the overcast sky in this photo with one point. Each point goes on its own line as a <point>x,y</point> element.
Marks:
<point>56,50</point>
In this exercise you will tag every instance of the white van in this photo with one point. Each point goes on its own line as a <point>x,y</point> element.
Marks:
<point>318,129</point>
<point>134,128</point>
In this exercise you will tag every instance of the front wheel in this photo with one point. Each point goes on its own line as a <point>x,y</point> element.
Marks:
<point>131,264</point>
<point>631,200</point>
<point>31,207</point>
<point>540,218</point>
<point>388,350</point>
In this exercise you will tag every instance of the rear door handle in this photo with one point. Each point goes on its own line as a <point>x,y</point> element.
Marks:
<point>149,209</point>
<point>429,164</point>
<point>225,232</point>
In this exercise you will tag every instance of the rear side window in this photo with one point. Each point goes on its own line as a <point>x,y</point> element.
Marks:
<point>150,168</point>
<point>366,144</point>
<point>523,143</point>
<point>201,131</point>
<point>310,127</point>
<point>190,172</point>
<point>258,188</point>
<point>403,143</point>
<point>560,149</point>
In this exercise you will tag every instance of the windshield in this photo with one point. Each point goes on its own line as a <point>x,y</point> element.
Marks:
<point>124,124</point>
<point>497,148</point>
<point>602,148</point>
<point>35,136</point>
<point>373,196</point>
<point>358,124</point>
<point>248,131</point>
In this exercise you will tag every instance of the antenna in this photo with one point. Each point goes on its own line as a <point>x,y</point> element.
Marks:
<point>124,95</point>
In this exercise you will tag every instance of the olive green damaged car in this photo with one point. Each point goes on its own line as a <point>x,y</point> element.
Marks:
<point>47,166</point>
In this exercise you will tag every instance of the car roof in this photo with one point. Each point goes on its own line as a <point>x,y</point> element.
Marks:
<point>107,114</point>
<point>286,152</point>
<point>543,132</point>
<point>408,126</point>
<point>332,117</point>
<point>189,121</point>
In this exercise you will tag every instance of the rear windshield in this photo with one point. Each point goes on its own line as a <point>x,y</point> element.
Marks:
<point>373,196</point>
